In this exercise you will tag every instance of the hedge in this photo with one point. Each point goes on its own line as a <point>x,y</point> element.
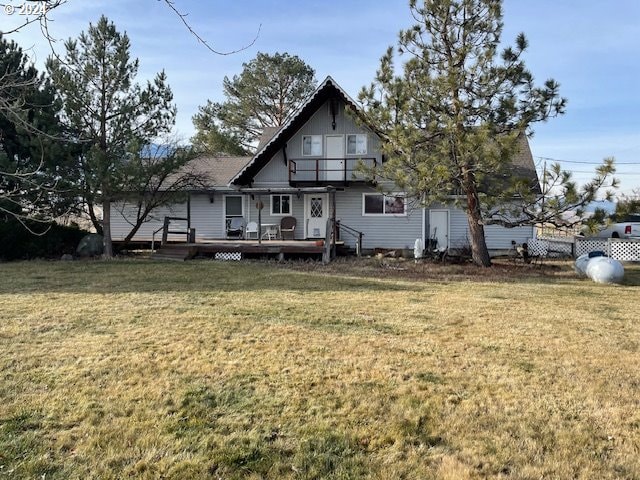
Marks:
<point>17,243</point>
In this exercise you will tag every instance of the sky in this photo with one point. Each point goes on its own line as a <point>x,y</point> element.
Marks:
<point>592,48</point>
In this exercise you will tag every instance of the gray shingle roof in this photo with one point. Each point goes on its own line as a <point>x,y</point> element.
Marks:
<point>218,170</point>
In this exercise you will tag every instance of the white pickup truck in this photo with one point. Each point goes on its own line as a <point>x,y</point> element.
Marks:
<point>630,229</point>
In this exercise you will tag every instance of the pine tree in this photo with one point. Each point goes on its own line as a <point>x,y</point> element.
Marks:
<point>269,88</point>
<point>109,114</point>
<point>34,158</point>
<point>452,120</point>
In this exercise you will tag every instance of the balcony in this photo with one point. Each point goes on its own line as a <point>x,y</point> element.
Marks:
<point>328,171</point>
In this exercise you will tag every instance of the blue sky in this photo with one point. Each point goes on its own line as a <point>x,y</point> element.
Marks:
<point>591,47</point>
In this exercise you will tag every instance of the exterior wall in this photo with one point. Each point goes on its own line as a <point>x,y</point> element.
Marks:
<point>207,217</point>
<point>120,227</point>
<point>276,173</point>
<point>385,231</point>
<point>498,237</point>
<point>297,211</point>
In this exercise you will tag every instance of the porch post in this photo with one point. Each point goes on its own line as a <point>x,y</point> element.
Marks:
<point>333,224</point>
<point>259,220</point>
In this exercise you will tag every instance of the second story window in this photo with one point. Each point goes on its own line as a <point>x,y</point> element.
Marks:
<point>356,144</point>
<point>312,145</point>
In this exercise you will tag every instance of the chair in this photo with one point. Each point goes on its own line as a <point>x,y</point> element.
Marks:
<point>287,226</point>
<point>235,227</point>
<point>252,229</point>
<point>270,232</point>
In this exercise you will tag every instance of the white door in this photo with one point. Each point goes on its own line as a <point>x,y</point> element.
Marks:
<point>316,212</point>
<point>334,164</point>
<point>439,227</point>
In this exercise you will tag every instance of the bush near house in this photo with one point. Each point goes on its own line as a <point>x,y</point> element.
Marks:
<point>18,243</point>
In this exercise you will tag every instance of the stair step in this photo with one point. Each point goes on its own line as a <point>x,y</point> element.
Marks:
<point>176,254</point>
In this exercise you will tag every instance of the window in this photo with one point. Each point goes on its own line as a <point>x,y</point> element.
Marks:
<point>379,204</point>
<point>280,204</point>
<point>233,206</point>
<point>232,209</point>
<point>356,144</point>
<point>312,145</point>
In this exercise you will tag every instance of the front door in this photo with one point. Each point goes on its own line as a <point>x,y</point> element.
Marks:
<point>316,212</point>
<point>334,164</point>
<point>439,228</point>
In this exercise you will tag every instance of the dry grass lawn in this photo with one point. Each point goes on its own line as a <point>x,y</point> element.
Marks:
<point>136,369</point>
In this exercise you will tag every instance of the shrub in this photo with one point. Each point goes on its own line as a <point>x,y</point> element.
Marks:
<point>18,243</point>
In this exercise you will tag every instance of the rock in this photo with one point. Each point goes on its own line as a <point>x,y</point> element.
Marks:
<point>90,246</point>
<point>605,270</point>
<point>66,257</point>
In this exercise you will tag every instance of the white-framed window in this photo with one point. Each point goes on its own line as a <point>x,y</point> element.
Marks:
<point>380,204</point>
<point>312,145</point>
<point>233,208</point>
<point>356,144</point>
<point>280,205</point>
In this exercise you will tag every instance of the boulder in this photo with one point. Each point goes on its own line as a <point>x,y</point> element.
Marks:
<point>90,246</point>
<point>66,257</point>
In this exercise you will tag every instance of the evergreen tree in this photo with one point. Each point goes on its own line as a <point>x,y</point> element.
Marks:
<point>109,114</point>
<point>269,88</point>
<point>34,158</point>
<point>452,120</point>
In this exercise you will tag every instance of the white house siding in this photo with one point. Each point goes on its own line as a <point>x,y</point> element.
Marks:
<point>276,172</point>
<point>497,237</point>
<point>383,231</point>
<point>273,174</point>
<point>120,227</point>
<point>207,216</point>
<point>297,211</point>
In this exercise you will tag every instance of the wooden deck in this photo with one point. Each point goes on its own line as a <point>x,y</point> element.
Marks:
<point>253,246</point>
<point>184,251</point>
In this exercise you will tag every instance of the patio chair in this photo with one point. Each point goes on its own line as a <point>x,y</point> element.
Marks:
<point>287,227</point>
<point>252,229</point>
<point>235,227</point>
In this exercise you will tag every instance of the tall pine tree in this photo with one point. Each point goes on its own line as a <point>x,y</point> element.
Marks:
<point>109,114</point>
<point>267,91</point>
<point>452,119</point>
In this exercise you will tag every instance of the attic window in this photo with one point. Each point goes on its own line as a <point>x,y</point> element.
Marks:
<point>356,144</point>
<point>312,145</point>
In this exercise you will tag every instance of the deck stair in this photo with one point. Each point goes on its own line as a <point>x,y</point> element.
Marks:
<point>178,253</point>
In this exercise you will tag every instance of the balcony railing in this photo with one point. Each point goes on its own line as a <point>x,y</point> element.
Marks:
<point>329,170</point>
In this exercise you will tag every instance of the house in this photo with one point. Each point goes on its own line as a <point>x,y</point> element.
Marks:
<point>308,169</point>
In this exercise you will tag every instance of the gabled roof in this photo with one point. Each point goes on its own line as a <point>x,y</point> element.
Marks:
<point>273,139</point>
<point>267,148</point>
<point>218,170</point>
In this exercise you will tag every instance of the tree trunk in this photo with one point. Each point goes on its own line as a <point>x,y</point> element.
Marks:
<point>106,228</point>
<point>479,250</point>
<point>94,220</point>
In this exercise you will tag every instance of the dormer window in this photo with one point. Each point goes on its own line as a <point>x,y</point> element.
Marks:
<point>356,144</point>
<point>312,145</point>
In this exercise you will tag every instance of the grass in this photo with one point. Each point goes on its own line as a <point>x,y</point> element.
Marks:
<point>370,369</point>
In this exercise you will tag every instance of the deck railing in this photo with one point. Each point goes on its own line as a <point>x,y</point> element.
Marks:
<point>329,170</point>
<point>341,227</point>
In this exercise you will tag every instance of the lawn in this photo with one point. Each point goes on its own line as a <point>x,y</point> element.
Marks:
<point>370,369</point>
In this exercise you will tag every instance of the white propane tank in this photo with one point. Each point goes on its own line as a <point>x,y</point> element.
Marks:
<point>581,265</point>
<point>605,270</point>
<point>418,249</point>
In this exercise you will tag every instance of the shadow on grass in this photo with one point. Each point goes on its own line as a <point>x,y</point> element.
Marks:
<point>141,276</point>
<point>365,275</point>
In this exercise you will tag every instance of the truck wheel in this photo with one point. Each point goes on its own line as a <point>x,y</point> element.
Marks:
<point>615,235</point>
